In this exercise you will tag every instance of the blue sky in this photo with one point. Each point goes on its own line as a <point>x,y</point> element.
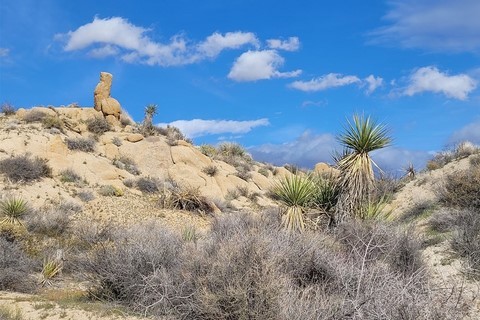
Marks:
<point>279,77</point>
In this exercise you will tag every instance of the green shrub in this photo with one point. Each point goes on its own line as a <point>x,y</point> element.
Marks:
<point>25,169</point>
<point>82,144</point>
<point>98,125</point>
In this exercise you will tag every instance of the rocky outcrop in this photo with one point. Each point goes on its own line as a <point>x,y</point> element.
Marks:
<point>323,168</point>
<point>101,97</point>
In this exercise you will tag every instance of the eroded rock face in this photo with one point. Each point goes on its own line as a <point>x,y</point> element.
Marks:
<point>101,97</point>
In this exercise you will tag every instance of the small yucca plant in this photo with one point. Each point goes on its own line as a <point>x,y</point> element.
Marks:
<point>295,193</point>
<point>376,210</point>
<point>410,171</point>
<point>326,193</point>
<point>51,268</point>
<point>13,209</point>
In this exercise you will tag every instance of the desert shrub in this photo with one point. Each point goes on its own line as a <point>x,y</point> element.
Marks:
<point>443,220</point>
<point>50,122</point>
<point>147,184</point>
<point>293,168</point>
<point>16,268</point>
<point>130,183</point>
<point>23,168</point>
<point>465,149</point>
<point>128,164</point>
<point>247,267</point>
<point>243,191</point>
<point>69,175</point>
<point>459,151</point>
<point>82,144</point>
<point>7,313</point>
<point>52,221</point>
<point>208,150</point>
<point>462,189</point>
<point>264,172</point>
<point>117,141</point>
<point>184,198</point>
<point>232,194</point>
<point>326,193</point>
<point>98,125</point>
<point>466,239</point>
<point>210,170</point>
<point>13,209</point>
<point>433,165</point>
<point>110,191</point>
<point>7,109</point>
<point>385,187</point>
<point>34,116</point>
<point>85,196</point>
<point>125,120</point>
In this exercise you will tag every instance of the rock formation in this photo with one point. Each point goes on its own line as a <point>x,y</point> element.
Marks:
<point>109,106</point>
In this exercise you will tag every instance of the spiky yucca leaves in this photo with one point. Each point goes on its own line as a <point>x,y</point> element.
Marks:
<point>377,210</point>
<point>13,209</point>
<point>326,193</point>
<point>360,137</point>
<point>295,193</point>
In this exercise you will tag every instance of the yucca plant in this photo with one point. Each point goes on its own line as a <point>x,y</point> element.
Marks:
<point>295,193</point>
<point>51,268</point>
<point>326,192</point>
<point>360,137</point>
<point>410,171</point>
<point>13,209</point>
<point>376,210</point>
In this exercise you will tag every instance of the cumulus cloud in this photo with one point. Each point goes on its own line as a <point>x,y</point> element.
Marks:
<point>259,65</point>
<point>431,79</point>
<point>198,127</point>
<point>394,160</point>
<point>292,44</point>
<point>4,52</point>
<point>372,83</point>
<point>305,151</point>
<point>439,25</point>
<point>470,132</point>
<point>117,36</point>
<point>325,82</point>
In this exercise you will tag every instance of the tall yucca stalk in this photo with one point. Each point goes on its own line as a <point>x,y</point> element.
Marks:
<point>360,137</point>
<point>295,193</point>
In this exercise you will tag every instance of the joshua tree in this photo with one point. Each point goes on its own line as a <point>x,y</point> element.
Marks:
<point>150,111</point>
<point>356,174</point>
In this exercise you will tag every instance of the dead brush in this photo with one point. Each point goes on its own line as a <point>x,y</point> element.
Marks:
<point>185,198</point>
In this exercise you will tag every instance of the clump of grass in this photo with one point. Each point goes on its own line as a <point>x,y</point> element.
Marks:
<point>264,172</point>
<point>208,150</point>
<point>7,109</point>
<point>23,168</point>
<point>210,170</point>
<point>13,209</point>
<point>110,191</point>
<point>98,125</point>
<point>69,175</point>
<point>81,144</point>
<point>8,314</point>
<point>85,196</point>
<point>128,164</point>
<point>189,234</point>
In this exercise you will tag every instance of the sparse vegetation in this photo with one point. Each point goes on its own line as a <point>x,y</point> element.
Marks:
<point>147,184</point>
<point>128,164</point>
<point>462,189</point>
<point>117,141</point>
<point>52,221</point>
<point>184,198</point>
<point>8,314</point>
<point>34,116</point>
<point>110,191</point>
<point>53,122</point>
<point>7,109</point>
<point>98,125</point>
<point>459,151</point>
<point>81,144</point>
<point>208,150</point>
<point>52,266</point>
<point>69,175</point>
<point>23,168</point>
<point>264,172</point>
<point>210,170</point>
<point>85,196</point>
<point>16,268</point>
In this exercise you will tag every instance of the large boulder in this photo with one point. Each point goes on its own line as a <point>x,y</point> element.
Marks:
<point>101,97</point>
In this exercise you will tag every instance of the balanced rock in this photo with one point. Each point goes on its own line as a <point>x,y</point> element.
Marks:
<point>101,97</point>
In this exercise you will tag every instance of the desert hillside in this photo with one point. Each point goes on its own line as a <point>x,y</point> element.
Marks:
<point>125,220</point>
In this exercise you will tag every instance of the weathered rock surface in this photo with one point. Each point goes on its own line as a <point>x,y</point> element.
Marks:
<point>101,97</point>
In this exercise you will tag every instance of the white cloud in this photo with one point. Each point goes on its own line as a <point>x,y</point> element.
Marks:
<point>292,44</point>
<point>117,36</point>
<point>259,65</point>
<point>198,127</point>
<point>321,103</point>
<point>330,80</point>
<point>394,160</point>
<point>433,80</point>
<point>217,42</point>
<point>307,150</point>
<point>4,52</point>
<point>470,132</point>
<point>372,83</point>
<point>439,25</point>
